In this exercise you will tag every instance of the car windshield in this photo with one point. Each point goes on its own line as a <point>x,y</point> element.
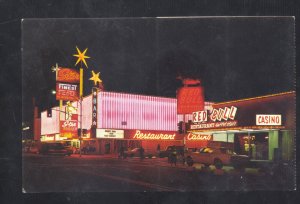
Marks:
<point>206,150</point>
<point>226,151</point>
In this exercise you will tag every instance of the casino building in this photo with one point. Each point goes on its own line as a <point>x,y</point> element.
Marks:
<point>261,127</point>
<point>111,120</point>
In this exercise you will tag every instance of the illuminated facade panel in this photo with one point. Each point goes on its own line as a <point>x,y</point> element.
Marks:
<point>130,111</point>
<point>50,125</point>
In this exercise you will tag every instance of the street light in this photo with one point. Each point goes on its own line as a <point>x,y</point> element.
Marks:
<point>53,92</point>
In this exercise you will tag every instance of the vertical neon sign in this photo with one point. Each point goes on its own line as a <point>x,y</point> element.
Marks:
<point>94,107</point>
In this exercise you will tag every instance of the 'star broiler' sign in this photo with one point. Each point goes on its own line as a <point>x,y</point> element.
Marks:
<point>67,92</point>
<point>68,128</point>
<point>67,88</point>
<point>67,75</point>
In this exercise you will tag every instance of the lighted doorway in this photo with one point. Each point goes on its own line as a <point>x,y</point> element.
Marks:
<point>255,145</point>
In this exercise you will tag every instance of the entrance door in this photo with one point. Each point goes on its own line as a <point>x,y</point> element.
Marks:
<point>107,148</point>
<point>120,143</point>
<point>255,145</point>
<point>260,146</point>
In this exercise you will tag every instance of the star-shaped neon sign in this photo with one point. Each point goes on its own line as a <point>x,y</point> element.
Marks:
<point>55,68</point>
<point>95,77</point>
<point>81,56</point>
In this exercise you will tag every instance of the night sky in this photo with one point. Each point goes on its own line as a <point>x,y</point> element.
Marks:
<point>234,57</point>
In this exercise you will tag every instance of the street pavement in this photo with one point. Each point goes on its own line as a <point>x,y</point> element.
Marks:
<point>108,173</point>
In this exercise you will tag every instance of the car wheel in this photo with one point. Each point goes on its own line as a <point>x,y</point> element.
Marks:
<point>218,164</point>
<point>189,161</point>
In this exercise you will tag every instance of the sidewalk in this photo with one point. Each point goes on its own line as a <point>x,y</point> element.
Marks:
<point>93,156</point>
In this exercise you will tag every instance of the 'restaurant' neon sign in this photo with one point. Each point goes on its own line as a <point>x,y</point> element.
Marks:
<point>153,136</point>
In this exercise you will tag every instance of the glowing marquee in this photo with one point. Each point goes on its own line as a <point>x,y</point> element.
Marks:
<point>68,128</point>
<point>153,136</point>
<point>67,75</point>
<point>216,115</point>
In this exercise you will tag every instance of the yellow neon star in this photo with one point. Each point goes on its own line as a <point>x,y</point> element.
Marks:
<point>81,56</point>
<point>95,77</point>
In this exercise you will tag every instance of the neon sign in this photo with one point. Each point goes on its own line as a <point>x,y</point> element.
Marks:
<point>67,75</point>
<point>198,136</point>
<point>223,113</point>
<point>215,115</point>
<point>68,127</point>
<point>94,107</point>
<point>67,92</point>
<point>190,99</point>
<point>214,125</point>
<point>268,119</point>
<point>153,136</point>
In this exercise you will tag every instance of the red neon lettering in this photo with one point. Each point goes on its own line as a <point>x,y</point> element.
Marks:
<point>204,115</point>
<point>199,117</point>
<point>213,116</point>
<point>219,117</point>
<point>195,116</point>
<point>232,112</point>
<point>273,119</point>
<point>225,115</point>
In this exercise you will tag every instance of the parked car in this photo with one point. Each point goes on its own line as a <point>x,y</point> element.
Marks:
<point>179,150</point>
<point>216,156</point>
<point>135,152</point>
<point>33,148</point>
<point>54,149</point>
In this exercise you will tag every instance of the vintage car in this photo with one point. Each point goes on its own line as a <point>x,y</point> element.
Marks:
<point>54,149</point>
<point>216,156</point>
<point>179,150</point>
<point>135,152</point>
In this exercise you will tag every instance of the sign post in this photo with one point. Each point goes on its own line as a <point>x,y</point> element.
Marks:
<point>81,58</point>
<point>96,78</point>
